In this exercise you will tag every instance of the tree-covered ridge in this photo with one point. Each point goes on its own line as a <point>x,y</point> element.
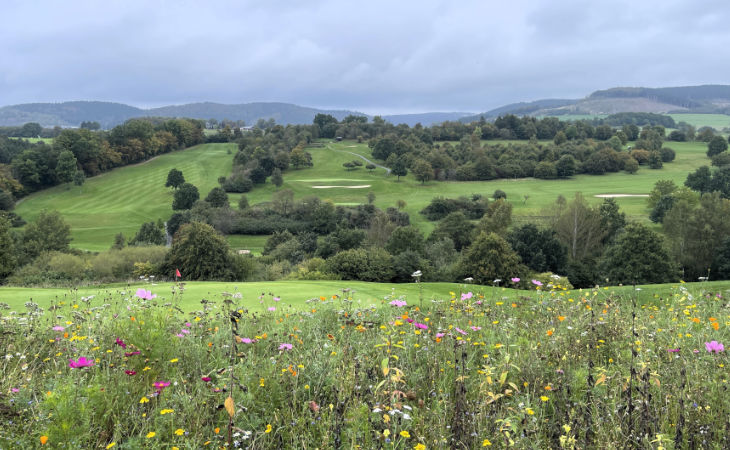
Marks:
<point>26,167</point>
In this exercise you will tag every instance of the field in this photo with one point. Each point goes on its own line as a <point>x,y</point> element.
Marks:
<point>594,369</point>
<point>123,199</point>
<point>717,121</point>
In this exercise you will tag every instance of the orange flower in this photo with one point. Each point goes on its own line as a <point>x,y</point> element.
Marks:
<point>44,439</point>
<point>561,318</point>
<point>549,332</point>
<point>716,326</point>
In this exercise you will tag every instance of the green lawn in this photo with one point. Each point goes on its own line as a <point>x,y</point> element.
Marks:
<point>717,121</point>
<point>123,199</point>
<point>295,293</point>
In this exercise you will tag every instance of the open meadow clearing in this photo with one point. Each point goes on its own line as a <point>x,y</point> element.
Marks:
<point>120,201</point>
<point>538,368</point>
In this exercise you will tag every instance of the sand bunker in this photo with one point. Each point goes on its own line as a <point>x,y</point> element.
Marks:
<point>620,195</point>
<point>363,186</point>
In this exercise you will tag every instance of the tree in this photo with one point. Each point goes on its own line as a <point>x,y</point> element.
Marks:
<point>638,256</point>
<point>661,188</point>
<point>8,258</point>
<point>31,129</point>
<point>200,253</point>
<point>497,218</point>
<point>79,178</point>
<point>717,144</point>
<point>175,179</point>
<point>119,242</point>
<point>299,158</point>
<point>89,125</point>
<point>566,166</point>
<point>276,178</point>
<point>422,170</point>
<point>371,197</point>
<point>185,197</point>
<point>612,219</point>
<point>49,232</point>
<point>404,239</point>
<point>149,234</point>
<point>243,203</point>
<point>66,167</point>
<point>217,198</point>
<point>7,203</point>
<point>490,257</point>
<point>700,180</point>
<point>579,227</point>
<point>399,168</point>
<point>456,227</point>
<point>283,201</point>
<point>539,249</point>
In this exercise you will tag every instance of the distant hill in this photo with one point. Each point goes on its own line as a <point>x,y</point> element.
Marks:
<point>689,99</point>
<point>68,114</point>
<point>71,114</point>
<point>282,113</point>
<point>425,119</point>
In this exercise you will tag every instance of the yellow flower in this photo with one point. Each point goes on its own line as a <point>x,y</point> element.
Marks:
<point>486,443</point>
<point>386,432</point>
<point>111,445</point>
<point>268,428</point>
<point>530,411</point>
<point>544,398</point>
<point>144,400</point>
<point>166,411</point>
<point>419,447</point>
<point>179,431</point>
<point>151,434</point>
<point>174,360</point>
<point>405,434</point>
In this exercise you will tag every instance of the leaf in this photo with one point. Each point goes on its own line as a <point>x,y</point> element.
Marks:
<point>502,378</point>
<point>384,366</point>
<point>229,406</point>
<point>601,379</point>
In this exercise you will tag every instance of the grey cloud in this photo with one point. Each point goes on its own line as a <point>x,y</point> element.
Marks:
<point>378,55</point>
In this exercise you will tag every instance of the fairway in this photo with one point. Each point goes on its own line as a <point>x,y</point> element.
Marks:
<point>291,293</point>
<point>123,199</point>
<point>716,121</point>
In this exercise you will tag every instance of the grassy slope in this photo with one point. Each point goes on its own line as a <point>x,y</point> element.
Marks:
<point>294,293</point>
<point>297,293</point>
<point>717,121</point>
<point>123,199</point>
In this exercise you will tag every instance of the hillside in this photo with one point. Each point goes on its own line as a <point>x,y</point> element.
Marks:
<point>684,99</point>
<point>97,212</point>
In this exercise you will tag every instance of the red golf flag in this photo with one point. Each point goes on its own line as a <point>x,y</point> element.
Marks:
<point>177,273</point>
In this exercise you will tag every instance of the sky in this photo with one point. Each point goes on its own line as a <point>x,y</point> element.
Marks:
<point>377,57</point>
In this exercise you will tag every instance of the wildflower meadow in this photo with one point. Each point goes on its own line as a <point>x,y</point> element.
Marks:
<point>484,367</point>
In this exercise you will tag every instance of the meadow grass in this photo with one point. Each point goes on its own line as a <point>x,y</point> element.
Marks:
<point>531,369</point>
<point>123,199</point>
<point>716,121</point>
<point>120,201</point>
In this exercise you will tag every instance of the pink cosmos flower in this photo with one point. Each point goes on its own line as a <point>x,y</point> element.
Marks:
<point>460,330</point>
<point>130,372</point>
<point>714,346</point>
<point>81,362</point>
<point>476,328</point>
<point>537,283</point>
<point>130,353</point>
<point>160,385</point>
<point>398,303</point>
<point>673,350</point>
<point>409,320</point>
<point>276,299</point>
<point>58,328</point>
<point>180,335</point>
<point>271,308</point>
<point>206,379</point>
<point>515,280</point>
<point>188,324</point>
<point>466,296</point>
<point>422,326</point>
<point>440,335</point>
<point>247,340</point>
<point>285,347</point>
<point>145,294</point>
<point>121,343</point>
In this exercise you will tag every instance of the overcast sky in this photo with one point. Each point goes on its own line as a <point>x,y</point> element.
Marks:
<point>374,56</point>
